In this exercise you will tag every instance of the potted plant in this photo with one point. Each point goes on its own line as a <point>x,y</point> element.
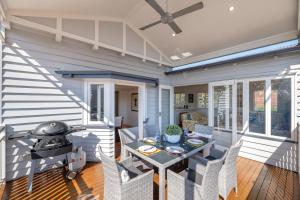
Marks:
<point>173,133</point>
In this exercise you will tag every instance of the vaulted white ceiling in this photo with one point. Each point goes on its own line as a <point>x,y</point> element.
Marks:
<point>209,32</point>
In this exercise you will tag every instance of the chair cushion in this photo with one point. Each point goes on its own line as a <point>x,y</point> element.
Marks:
<point>128,172</point>
<point>192,176</point>
<point>123,174</point>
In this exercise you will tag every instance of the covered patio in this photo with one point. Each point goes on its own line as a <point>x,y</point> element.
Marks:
<point>150,99</point>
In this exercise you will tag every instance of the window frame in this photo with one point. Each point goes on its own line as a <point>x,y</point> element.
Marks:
<point>184,103</point>
<point>268,92</point>
<point>87,97</point>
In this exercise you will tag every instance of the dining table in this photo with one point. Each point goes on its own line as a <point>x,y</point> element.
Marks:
<point>162,159</point>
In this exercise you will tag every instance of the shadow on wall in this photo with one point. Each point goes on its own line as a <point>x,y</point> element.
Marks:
<point>32,94</point>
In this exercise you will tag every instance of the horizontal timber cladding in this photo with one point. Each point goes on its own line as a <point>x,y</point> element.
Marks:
<point>275,152</point>
<point>33,93</point>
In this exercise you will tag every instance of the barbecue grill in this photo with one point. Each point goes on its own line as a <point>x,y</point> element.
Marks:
<point>51,141</point>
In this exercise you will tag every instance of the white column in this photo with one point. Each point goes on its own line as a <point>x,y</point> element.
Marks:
<point>234,112</point>
<point>246,106</point>
<point>109,103</point>
<point>210,105</point>
<point>142,109</point>
<point>268,106</point>
<point>227,106</point>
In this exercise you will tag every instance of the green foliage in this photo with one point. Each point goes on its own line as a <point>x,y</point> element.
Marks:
<point>173,130</point>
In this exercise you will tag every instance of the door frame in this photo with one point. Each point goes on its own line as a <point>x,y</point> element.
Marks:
<point>160,88</point>
<point>233,83</point>
<point>109,99</point>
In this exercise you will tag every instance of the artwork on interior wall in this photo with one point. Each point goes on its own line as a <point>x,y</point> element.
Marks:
<point>135,102</point>
<point>191,98</point>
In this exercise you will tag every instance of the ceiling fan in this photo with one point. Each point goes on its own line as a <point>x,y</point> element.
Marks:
<point>167,17</point>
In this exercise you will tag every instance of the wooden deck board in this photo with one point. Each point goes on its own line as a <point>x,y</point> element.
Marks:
<point>255,181</point>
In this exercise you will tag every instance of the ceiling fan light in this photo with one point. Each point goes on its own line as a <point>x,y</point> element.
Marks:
<point>231,8</point>
<point>173,34</point>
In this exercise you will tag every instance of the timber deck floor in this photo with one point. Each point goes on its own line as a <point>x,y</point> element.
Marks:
<point>255,181</point>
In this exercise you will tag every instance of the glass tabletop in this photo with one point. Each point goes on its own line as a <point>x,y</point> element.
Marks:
<point>164,156</point>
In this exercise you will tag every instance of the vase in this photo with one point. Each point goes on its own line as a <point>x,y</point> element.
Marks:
<point>173,138</point>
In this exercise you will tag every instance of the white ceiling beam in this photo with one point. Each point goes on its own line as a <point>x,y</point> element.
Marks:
<point>34,13</point>
<point>30,24</point>
<point>95,46</point>
<point>58,36</point>
<point>149,42</point>
<point>124,38</point>
<point>59,33</point>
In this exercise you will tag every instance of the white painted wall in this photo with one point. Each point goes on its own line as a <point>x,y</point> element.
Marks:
<point>130,117</point>
<point>34,93</point>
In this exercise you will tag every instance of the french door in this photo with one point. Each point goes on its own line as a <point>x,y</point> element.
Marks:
<point>166,108</point>
<point>223,109</point>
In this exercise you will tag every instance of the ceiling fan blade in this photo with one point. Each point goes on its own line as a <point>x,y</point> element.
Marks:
<point>188,10</point>
<point>150,25</point>
<point>156,7</point>
<point>175,27</point>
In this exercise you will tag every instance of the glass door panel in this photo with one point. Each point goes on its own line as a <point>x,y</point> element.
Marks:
<point>223,107</point>
<point>257,107</point>
<point>281,107</point>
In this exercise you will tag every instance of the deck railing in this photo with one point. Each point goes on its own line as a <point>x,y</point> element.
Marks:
<point>2,154</point>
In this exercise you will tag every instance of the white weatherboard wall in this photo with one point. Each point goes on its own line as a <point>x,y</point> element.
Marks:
<point>272,151</point>
<point>33,93</point>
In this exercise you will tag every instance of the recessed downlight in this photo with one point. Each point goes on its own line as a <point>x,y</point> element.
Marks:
<point>231,8</point>
<point>175,57</point>
<point>186,54</point>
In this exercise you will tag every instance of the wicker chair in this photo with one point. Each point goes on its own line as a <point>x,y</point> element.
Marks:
<point>228,173</point>
<point>195,183</point>
<point>127,135</point>
<point>140,185</point>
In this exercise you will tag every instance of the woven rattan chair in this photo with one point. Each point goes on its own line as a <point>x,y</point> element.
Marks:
<point>198,182</point>
<point>228,174</point>
<point>127,135</point>
<point>139,186</point>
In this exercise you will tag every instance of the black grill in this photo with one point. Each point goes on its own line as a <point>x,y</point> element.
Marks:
<point>51,139</point>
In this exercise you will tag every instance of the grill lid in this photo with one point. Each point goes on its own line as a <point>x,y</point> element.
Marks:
<point>51,128</point>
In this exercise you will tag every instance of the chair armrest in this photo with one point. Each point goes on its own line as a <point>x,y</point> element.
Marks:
<point>216,153</point>
<point>127,162</point>
<point>180,187</point>
<point>198,164</point>
<point>140,186</point>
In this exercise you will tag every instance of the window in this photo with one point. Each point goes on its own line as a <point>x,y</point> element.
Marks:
<point>263,106</point>
<point>179,100</point>
<point>96,102</point>
<point>281,107</point>
<point>202,100</point>
<point>257,106</point>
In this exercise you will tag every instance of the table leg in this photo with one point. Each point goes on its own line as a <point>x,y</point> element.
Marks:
<point>31,174</point>
<point>162,183</point>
